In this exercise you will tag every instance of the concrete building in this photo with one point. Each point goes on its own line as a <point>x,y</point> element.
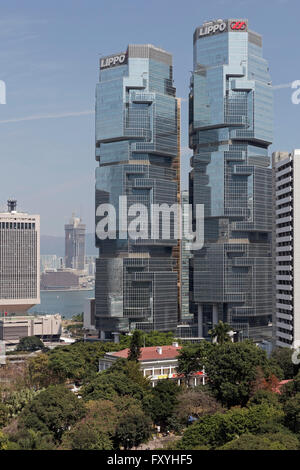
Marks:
<point>157,363</point>
<point>60,279</point>
<point>19,260</point>
<point>286,250</point>
<point>13,328</point>
<point>75,244</point>
<point>230,128</point>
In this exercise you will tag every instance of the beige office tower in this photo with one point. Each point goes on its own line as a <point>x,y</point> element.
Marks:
<point>286,248</point>
<point>19,260</point>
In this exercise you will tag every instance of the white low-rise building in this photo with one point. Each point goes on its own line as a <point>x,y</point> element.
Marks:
<point>157,363</point>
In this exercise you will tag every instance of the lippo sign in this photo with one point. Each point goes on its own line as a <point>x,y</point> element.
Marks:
<point>220,26</point>
<point>112,61</point>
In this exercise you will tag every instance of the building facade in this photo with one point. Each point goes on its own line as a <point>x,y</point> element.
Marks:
<point>286,203</point>
<point>75,244</point>
<point>12,329</point>
<point>230,128</point>
<point>19,260</point>
<point>137,147</point>
<point>186,317</point>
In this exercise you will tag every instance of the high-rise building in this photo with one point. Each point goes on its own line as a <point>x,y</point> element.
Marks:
<point>75,243</point>
<point>231,120</point>
<point>19,260</point>
<point>286,248</point>
<point>185,314</point>
<point>137,147</point>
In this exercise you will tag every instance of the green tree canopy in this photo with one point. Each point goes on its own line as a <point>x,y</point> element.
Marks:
<point>220,332</point>
<point>133,428</point>
<point>30,343</point>
<point>217,429</point>
<point>123,378</point>
<point>136,344</point>
<point>193,357</point>
<point>160,404</point>
<point>232,368</point>
<point>282,357</point>
<point>52,411</point>
<point>292,413</point>
<point>278,441</point>
<point>4,415</point>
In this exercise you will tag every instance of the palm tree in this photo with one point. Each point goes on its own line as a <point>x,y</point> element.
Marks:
<point>220,332</point>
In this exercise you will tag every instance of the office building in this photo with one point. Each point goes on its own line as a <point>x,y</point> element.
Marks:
<point>75,243</point>
<point>186,316</point>
<point>46,327</point>
<point>137,147</point>
<point>286,249</point>
<point>230,128</point>
<point>19,260</point>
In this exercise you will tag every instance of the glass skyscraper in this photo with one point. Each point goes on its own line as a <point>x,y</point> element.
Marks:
<point>230,129</point>
<point>137,147</point>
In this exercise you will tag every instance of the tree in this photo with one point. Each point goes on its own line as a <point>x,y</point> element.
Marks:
<point>264,396</point>
<point>219,332</point>
<point>292,413</point>
<point>87,436</point>
<point>40,374</point>
<point>261,382</point>
<point>192,358</point>
<point>135,346</point>
<point>282,357</point>
<point>290,389</point>
<point>276,441</point>
<point>29,439</point>
<point>3,441</point>
<point>52,411</point>
<point>160,404</point>
<point>195,402</point>
<point>133,429</point>
<point>17,400</point>
<point>217,429</point>
<point>153,338</point>
<point>78,361</point>
<point>4,415</point>
<point>30,343</point>
<point>123,378</point>
<point>232,368</point>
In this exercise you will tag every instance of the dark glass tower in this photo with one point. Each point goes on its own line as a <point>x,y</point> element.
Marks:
<point>231,117</point>
<point>137,147</point>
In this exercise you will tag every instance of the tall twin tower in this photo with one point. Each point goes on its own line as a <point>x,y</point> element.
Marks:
<point>138,150</point>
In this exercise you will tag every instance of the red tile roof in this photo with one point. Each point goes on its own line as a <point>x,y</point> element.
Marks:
<point>151,353</point>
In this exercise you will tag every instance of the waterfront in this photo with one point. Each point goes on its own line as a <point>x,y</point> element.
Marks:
<point>67,303</point>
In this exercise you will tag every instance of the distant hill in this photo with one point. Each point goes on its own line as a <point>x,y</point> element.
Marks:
<point>51,245</point>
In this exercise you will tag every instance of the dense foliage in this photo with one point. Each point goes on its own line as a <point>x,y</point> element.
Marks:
<point>238,408</point>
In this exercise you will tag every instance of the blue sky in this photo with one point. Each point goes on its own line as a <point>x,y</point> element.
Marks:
<point>49,54</point>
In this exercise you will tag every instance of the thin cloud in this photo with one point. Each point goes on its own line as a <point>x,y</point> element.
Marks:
<point>37,117</point>
<point>283,85</point>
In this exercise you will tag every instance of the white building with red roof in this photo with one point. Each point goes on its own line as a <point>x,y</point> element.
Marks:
<point>157,363</point>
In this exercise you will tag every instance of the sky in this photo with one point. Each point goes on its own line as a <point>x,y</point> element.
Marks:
<point>49,61</point>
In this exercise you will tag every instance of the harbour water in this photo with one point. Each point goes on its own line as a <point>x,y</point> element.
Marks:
<point>67,303</point>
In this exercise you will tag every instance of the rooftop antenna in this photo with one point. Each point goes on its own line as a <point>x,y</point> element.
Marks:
<point>12,205</point>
